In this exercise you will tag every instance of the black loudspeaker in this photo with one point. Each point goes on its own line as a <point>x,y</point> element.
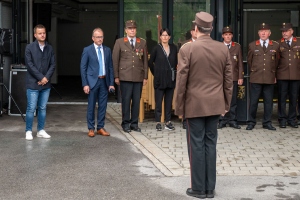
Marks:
<point>42,15</point>
<point>17,88</point>
<point>6,43</point>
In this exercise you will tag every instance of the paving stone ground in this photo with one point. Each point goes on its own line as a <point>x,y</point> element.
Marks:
<point>239,152</point>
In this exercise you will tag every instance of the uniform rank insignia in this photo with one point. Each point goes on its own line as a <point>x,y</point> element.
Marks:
<point>125,39</point>
<point>235,58</point>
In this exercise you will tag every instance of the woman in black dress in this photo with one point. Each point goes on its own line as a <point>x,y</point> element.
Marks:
<point>163,63</point>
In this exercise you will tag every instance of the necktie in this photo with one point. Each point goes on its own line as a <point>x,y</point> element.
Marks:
<point>264,46</point>
<point>131,41</point>
<point>288,43</point>
<point>100,62</point>
<point>228,45</point>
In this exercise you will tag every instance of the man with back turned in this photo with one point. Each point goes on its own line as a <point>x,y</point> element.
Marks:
<point>204,91</point>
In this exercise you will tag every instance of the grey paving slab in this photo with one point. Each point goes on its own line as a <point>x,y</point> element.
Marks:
<point>239,152</point>
<point>73,166</point>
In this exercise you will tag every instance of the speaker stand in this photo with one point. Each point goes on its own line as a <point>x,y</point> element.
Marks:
<point>2,85</point>
<point>56,92</point>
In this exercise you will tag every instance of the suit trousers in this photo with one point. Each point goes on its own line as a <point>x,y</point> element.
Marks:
<point>287,88</point>
<point>230,117</point>
<point>167,95</point>
<point>202,138</point>
<point>131,95</point>
<point>98,92</point>
<point>267,90</point>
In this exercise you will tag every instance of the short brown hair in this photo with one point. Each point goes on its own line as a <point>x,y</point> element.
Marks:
<point>40,26</point>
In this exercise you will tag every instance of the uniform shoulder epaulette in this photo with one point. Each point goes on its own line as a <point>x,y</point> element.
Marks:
<point>185,44</point>
<point>142,38</point>
<point>236,43</point>
<point>275,41</point>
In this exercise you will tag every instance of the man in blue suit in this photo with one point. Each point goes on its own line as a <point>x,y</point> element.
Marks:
<point>97,80</point>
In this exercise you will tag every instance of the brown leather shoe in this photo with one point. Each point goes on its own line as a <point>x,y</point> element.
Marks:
<point>91,133</point>
<point>103,132</point>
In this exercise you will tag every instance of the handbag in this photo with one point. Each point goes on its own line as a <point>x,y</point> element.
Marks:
<point>172,70</point>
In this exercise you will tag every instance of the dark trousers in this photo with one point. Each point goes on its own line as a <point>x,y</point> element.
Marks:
<point>202,138</point>
<point>230,117</point>
<point>167,95</point>
<point>267,90</point>
<point>131,95</point>
<point>98,92</point>
<point>287,88</point>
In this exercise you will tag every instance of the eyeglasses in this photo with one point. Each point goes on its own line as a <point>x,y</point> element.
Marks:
<point>165,35</point>
<point>98,37</point>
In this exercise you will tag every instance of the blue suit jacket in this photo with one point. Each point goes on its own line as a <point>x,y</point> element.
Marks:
<point>89,66</point>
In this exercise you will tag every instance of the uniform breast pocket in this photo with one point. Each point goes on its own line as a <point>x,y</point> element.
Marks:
<point>124,53</point>
<point>257,54</point>
<point>296,53</point>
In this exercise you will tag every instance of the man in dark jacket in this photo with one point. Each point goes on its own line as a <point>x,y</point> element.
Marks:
<point>40,62</point>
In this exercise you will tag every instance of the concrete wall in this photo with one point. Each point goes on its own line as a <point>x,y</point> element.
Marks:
<point>73,37</point>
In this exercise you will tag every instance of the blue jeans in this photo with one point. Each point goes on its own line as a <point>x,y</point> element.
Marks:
<point>36,99</point>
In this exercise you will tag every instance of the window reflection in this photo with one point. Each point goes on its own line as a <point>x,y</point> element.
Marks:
<point>184,14</point>
<point>144,12</point>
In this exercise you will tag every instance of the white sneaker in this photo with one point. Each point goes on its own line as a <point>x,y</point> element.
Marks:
<point>43,134</point>
<point>28,135</point>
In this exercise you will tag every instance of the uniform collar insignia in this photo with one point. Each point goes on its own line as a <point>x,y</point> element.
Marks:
<point>270,42</point>
<point>282,40</point>
<point>257,42</point>
<point>232,44</point>
<point>294,39</point>
<point>138,40</point>
<point>125,39</point>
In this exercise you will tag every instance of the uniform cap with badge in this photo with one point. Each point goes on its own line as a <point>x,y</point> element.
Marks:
<point>130,24</point>
<point>227,29</point>
<point>286,26</point>
<point>264,26</point>
<point>203,19</point>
